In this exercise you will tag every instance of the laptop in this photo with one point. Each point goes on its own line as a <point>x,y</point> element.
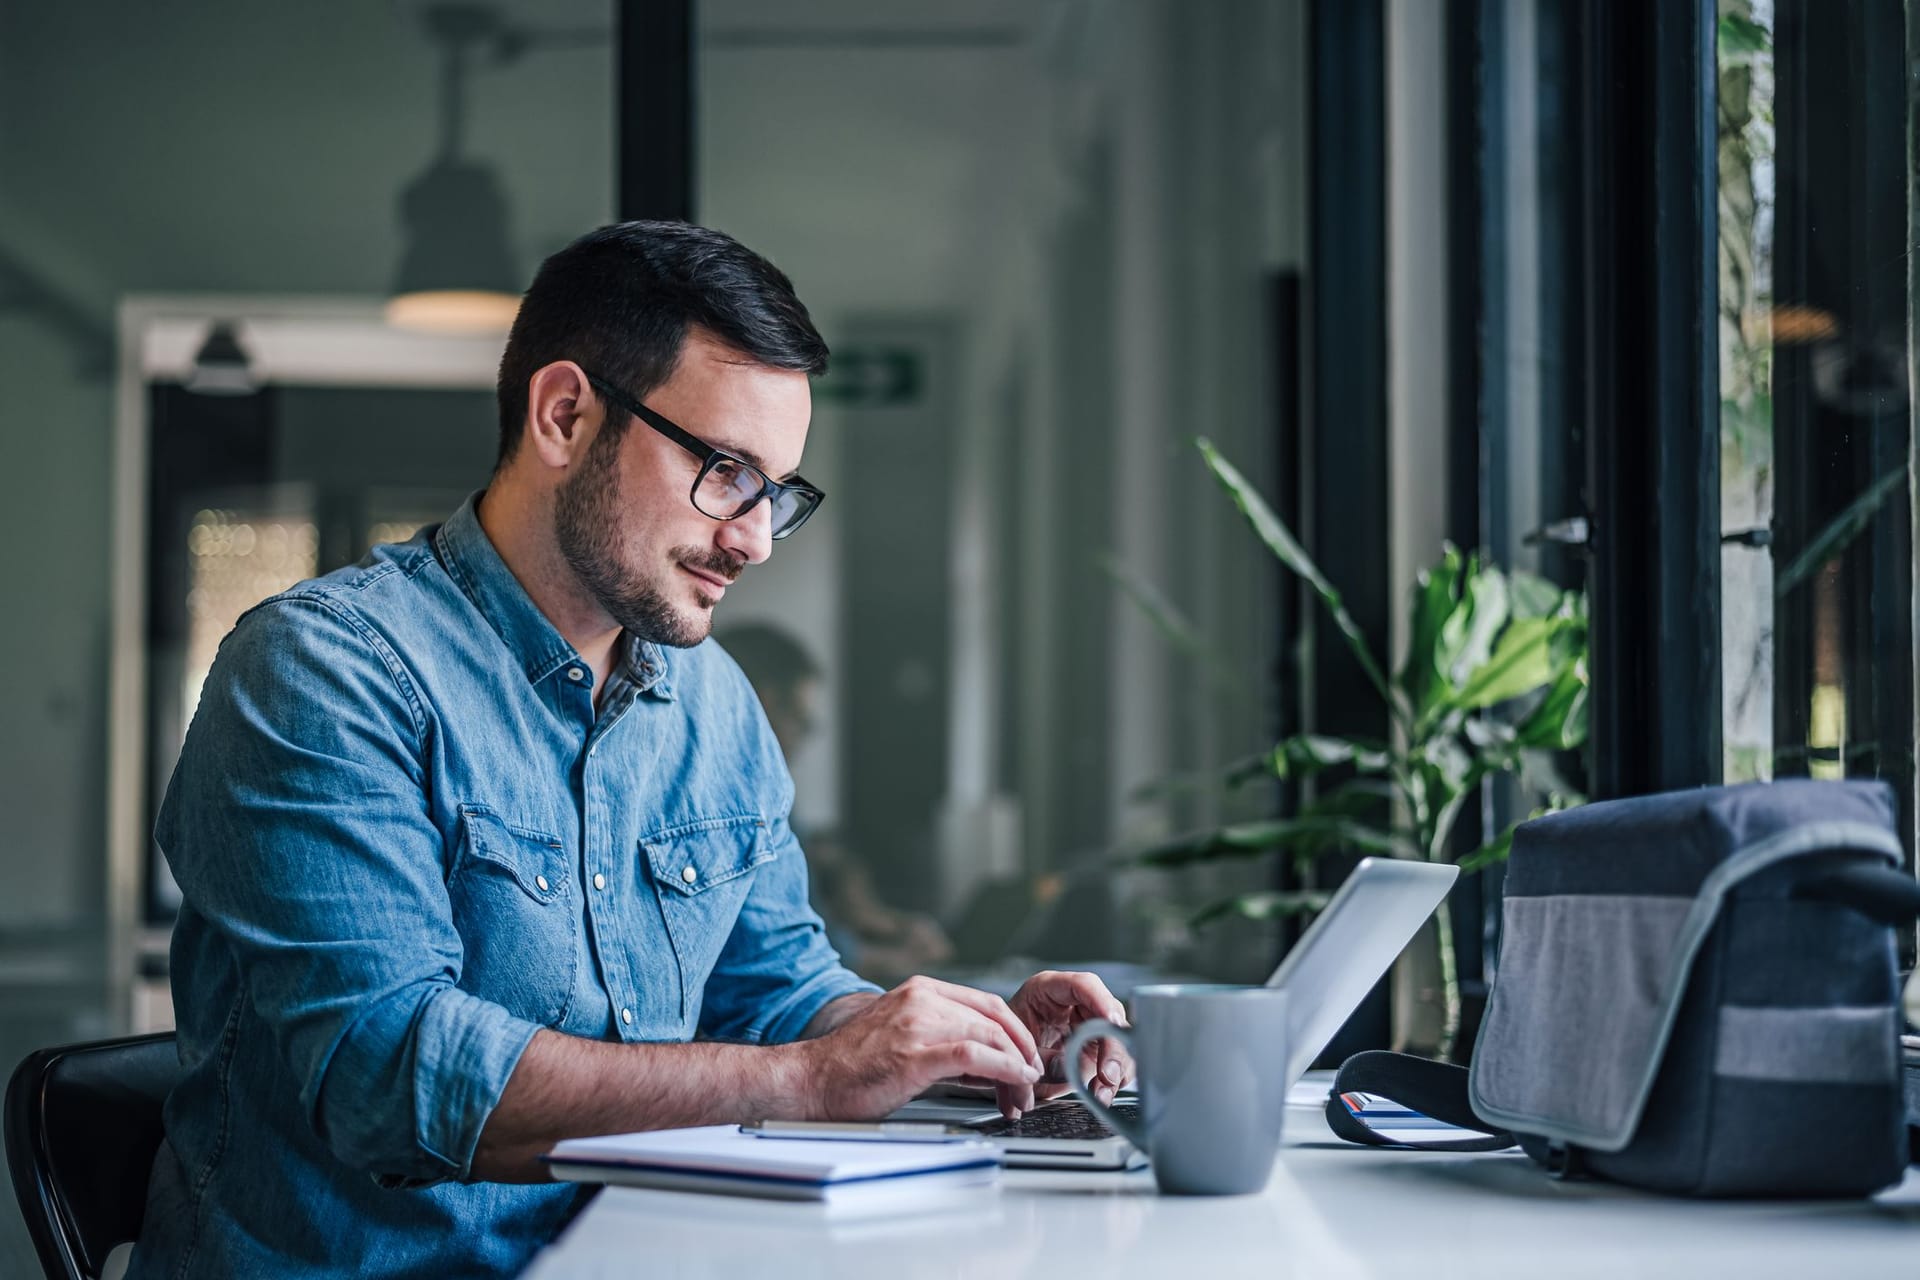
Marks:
<point>1343,953</point>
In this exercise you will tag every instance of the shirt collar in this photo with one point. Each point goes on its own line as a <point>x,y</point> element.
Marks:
<point>541,650</point>
<point>646,665</point>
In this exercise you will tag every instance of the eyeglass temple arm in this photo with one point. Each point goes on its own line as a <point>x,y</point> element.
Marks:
<point>664,426</point>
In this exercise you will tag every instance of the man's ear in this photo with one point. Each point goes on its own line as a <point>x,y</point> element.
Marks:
<point>563,414</point>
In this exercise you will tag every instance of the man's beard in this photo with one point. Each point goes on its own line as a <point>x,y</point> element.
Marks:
<point>586,518</point>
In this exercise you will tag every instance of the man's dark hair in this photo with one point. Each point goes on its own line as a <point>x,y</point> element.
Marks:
<point>619,301</point>
<point>774,662</point>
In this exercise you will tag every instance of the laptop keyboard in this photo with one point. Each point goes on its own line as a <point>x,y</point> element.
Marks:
<point>1069,1120</point>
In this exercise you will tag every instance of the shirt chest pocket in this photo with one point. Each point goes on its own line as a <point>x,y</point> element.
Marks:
<point>701,873</point>
<point>512,895</point>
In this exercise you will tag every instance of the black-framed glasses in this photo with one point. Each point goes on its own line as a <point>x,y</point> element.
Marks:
<point>727,487</point>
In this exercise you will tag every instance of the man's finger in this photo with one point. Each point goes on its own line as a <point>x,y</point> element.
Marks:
<point>953,1020</point>
<point>992,1006</point>
<point>1116,1064</point>
<point>990,1033</point>
<point>1104,1062</point>
<point>973,1058</point>
<point>1091,995</point>
<point>1069,993</point>
<point>1092,1053</point>
<point>943,1020</point>
<point>1015,1100</point>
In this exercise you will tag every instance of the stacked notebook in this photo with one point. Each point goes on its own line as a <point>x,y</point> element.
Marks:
<point>722,1159</point>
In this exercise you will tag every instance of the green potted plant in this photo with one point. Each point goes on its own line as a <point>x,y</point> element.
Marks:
<point>1495,673</point>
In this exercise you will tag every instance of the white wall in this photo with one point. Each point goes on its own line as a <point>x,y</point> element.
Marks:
<point>1417,401</point>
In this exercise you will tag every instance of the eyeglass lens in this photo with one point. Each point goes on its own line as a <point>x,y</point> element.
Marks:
<point>729,490</point>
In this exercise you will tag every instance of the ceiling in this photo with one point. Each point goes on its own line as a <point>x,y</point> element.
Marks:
<point>873,147</point>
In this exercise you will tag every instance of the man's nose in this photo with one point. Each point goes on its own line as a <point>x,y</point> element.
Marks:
<point>750,536</point>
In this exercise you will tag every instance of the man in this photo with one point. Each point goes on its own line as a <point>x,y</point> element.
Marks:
<point>881,942</point>
<point>469,860</point>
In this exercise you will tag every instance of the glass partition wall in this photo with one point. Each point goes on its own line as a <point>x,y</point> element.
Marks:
<point>1043,241</point>
<point>1815,306</point>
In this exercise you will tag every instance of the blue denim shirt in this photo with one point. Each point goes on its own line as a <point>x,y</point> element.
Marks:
<point>406,841</point>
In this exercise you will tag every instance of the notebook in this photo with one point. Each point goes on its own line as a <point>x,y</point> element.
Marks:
<point>720,1158</point>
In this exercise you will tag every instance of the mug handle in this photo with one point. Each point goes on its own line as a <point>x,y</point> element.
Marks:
<point>1132,1130</point>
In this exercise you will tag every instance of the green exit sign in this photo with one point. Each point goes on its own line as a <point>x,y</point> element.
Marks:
<point>870,377</point>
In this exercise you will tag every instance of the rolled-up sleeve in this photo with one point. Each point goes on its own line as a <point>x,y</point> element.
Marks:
<point>777,969</point>
<point>298,828</point>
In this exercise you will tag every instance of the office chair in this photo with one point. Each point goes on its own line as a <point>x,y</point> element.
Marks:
<point>82,1125</point>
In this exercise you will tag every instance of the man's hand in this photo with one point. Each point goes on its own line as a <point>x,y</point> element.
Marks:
<point>1051,1005</point>
<point>920,1032</point>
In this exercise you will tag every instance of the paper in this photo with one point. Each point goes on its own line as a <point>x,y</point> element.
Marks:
<point>1397,1123</point>
<point>722,1149</point>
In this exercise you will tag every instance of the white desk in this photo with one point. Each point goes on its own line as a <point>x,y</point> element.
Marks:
<point>1332,1210</point>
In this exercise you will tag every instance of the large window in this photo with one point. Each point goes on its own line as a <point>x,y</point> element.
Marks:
<point>1679,265</point>
<point>1043,241</point>
<point>1815,424</point>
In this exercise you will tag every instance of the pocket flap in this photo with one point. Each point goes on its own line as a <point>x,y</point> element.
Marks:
<point>538,862</point>
<point>694,857</point>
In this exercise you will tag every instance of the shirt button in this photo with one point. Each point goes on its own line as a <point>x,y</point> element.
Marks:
<point>542,882</point>
<point>575,673</point>
<point>689,875</point>
<point>599,881</point>
<point>626,1016</point>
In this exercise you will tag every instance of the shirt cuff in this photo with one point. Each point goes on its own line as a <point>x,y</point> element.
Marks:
<point>789,1019</point>
<point>468,1048</point>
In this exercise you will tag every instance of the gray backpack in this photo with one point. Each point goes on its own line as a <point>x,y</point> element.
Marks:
<point>1696,994</point>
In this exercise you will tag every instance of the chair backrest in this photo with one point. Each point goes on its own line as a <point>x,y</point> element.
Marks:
<point>83,1125</point>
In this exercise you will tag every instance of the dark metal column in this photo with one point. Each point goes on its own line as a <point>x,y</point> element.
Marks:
<point>1654,399</point>
<point>1347,518</point>
<point>654,130</point>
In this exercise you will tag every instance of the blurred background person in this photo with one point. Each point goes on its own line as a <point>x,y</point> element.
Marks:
<point>881,943</point>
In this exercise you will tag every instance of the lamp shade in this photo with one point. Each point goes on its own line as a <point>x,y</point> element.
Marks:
<point>456,273</point>
<point>221,367</point>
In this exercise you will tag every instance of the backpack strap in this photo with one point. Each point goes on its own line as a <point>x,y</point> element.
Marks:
<point>1435,1089</point>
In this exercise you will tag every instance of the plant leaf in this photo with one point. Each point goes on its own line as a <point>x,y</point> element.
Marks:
<point>1172,624</point>
<point>1741,39</point>
<point>1436,591</point>
<point>1532,595</point>
<point>1447,761</point>
<point>1520,663</point>
<point>1280,540</point>
<point>1484,733</point>
<point>1467,636</point>
<point>1297,757</point>
<point>1495,850</point>
<point>1559,723</point>
<point>1840,531</point>
<point>1265,905</point>
<point>1306,754</point>
<point>1355,799</point>
<point>1305,836</point>
<point>1241,771</point>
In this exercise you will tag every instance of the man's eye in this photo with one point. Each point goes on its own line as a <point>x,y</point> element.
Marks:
<point>725,472</point>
